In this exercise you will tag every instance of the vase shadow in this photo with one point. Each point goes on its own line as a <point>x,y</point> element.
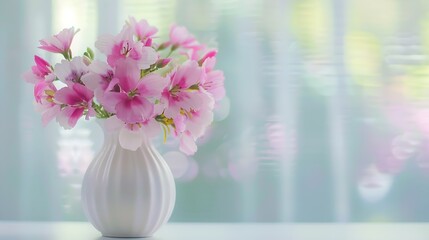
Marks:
<point>128,238</point>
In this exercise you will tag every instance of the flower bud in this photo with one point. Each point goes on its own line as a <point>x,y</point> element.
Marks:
<point>148,42</point>
<point>163,46</point>
<point>163,62</point>
<point>86,60</point>
<point>210,54</point>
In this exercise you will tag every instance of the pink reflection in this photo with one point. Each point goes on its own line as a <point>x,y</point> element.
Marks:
<point>178,163</point>
<point>421,119</point>
<point>374,185</point>
<point>422,158</point>
<point>206,137</point>
<point>378,150</point>
<point>192,171</point>
<point>281,142</point>
<point>405,145</point>
<point>386,162</point>
<point>405,114</point>
<point>184,168</point>
<point>241,170</point>
<point>222,108</point>
<point>211,168</point>
<point>75,152</point>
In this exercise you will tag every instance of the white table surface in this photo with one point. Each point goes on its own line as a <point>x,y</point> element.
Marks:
<point>221,231</point>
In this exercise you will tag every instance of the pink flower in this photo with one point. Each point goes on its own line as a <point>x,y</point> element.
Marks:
<point>208,55</point>
<point>195,53</point>
<point>183,93</point>
<point>77,98</point>
<point>71,72</point>
<point>123,46</point>
<point>198,121</point>
<point>132,104</point>
<point>39,71</point>
<point>214,79</point>
<point>42,67</point>
<point>180,37</point>
<point>99,79</point>
<point>192,126</point>
<point>143,30</point>
<point>59,43</point>
<point>43,93</point>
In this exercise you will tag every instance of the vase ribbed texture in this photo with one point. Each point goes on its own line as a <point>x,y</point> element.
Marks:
<point>128,193</point>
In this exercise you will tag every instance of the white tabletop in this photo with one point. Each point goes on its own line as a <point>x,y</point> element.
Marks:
<point>223,231</point>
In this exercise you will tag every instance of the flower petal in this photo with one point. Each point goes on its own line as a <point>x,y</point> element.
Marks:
<point>83,92</point>
<point>151,128</point>
<point>187,144</point>
<point>198,123</point>
<point>128,74</point>
<point>67,95</point>
<point>152,85</point>
<point>30,77</point>
<point>179,123</point>
<point>111,99</point>
<point>91,80</point>
<point>113,124</point>
<point>105,43</point>
<point>214,84</point>
<point>188,74</point>
<point>148,57</point>
<point>50,114</point>
<point>134,110</point>
<point>130,139</point>
<point>74,116</point>
<point>100,67</point>
<point>69,116</point>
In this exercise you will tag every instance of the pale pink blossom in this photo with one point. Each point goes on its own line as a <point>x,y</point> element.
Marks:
<point>59,43</point>
<point>195,52</point>
<point>100,79</point>
<point>132,104</point>
<point>183,93</point>
<point>180,37</point>
<point>38,72</point>
<point>71,72</point>
<point>43,93</point>
<point>213,81</point>
<point>198,121</point>
<point>191,126</point>
<point>76,98</point>
<point>143,31</point>
<point>123,46</point>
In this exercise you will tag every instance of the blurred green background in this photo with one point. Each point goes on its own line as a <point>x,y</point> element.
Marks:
<point>326,119</point>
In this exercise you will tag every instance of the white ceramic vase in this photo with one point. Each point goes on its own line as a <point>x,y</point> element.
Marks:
<point>128,193</point>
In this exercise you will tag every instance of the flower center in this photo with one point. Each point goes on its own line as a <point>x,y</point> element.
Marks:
<point>126,48</point>
<point>175,90</point>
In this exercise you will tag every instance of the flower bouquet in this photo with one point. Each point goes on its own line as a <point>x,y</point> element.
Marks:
<point>141,89</point>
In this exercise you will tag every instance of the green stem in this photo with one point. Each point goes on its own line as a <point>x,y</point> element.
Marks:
<point>172,49</point>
